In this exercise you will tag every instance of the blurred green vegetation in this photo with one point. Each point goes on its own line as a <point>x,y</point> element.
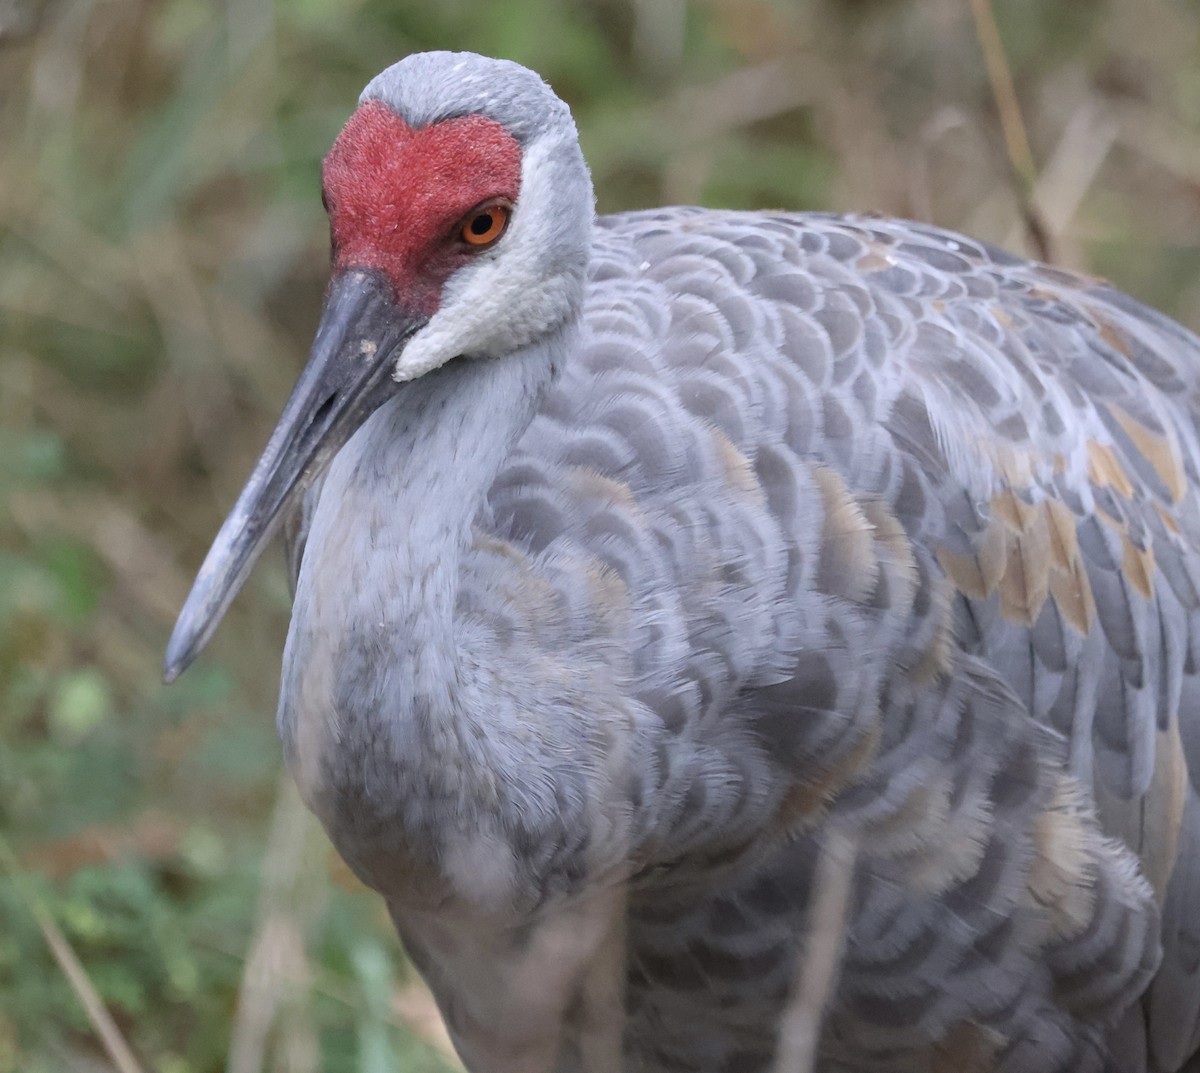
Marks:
<point>162,257</point>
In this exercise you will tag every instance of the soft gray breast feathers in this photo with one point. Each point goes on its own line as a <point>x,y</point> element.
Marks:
<point>891,529</point>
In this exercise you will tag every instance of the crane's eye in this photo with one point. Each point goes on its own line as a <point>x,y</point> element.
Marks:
<point>484,225</point>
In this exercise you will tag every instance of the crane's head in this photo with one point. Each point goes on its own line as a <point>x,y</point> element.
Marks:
<point>460,213</point>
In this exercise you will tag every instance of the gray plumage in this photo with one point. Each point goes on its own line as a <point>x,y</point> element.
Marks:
<point>790,523</point>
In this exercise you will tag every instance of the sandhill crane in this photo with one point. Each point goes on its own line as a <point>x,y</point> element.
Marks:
<point>644,555</point>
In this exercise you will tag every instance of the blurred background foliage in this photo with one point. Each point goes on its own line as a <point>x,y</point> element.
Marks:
<point>162,257</point>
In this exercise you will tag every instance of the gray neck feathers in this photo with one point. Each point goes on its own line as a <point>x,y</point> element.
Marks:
<point>374,687</point>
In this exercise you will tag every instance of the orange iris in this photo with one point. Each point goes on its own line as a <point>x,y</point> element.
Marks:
<point>484,225</point>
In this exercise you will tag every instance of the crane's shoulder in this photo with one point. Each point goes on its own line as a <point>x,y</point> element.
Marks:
<point>848,337</point>
<point>930,266</point>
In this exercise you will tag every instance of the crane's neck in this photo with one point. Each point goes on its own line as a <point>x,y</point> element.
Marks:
<point>374,702</point>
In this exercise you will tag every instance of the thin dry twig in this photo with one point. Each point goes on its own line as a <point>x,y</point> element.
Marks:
<point>820,957</point>
<point>1003,90</point>
<point>114,1043</point>
<point>1016,140</point>
<point>1070,172</point>
<point>276,980</point>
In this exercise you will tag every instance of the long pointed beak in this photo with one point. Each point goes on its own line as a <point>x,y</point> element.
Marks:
<point>346,379</point>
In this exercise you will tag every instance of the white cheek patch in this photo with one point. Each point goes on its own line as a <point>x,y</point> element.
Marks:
<point>520,290</point>
<point>423,353</point>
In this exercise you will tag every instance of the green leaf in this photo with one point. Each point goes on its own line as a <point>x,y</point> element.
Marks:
<point>81,701</point>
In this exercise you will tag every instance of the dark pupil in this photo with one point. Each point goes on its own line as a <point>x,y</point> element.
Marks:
<point>482,224</point>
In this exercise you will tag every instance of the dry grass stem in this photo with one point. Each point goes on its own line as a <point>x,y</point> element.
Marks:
<point>1070,173</point>
<point>110,1036</point>
<point>1016,140</point>
<point>820,956</point>
<point>1003,90</point>
<point>105,1027</point>
<point>276,980</point>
